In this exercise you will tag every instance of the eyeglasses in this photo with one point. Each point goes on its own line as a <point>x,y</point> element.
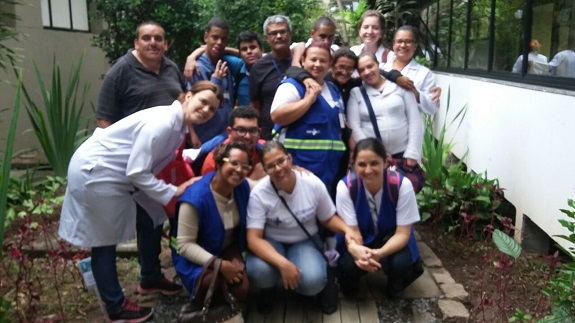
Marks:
<point>281,162</point>
<point>157,38</point>
<point>243,131</point>
<point>236,164</point>
<point>275,33</point>
<point>343,69</point>
<point>407,42</point>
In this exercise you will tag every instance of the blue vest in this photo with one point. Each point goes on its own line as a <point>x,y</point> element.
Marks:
<point>211,231</point>
<point>386,220</point>
<point>314,140</point>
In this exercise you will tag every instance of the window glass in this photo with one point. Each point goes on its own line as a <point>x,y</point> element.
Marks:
<point>80,15</point>
<point>60,14</point>
<point>65,14</point>
<point>478,54</point>
<point>443,33</point>
<point>508,34</point>
<point>458,33</point>
<point>562,35</point>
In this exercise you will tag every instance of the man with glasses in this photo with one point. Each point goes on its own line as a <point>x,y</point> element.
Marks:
<point>243,127</point>
<point>269,71</point>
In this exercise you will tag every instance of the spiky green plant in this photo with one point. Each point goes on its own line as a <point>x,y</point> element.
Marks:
<point>57,122</point>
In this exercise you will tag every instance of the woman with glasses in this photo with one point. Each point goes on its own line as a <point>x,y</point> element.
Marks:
<point>211,217</point>
<point>405,42</point>
<point>380,204</point>
<point>382,109</point>
<point>279,249</point>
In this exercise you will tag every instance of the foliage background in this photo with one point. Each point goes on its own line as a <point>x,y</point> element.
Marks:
<point>185,20</point>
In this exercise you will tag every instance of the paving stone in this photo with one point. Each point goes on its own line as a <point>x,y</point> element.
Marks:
<point>453,311</point>
<point>454,292</point>
<point>423,287</point>
<point>423,317</point>
<point>441,276</point>
<point>429,258</point>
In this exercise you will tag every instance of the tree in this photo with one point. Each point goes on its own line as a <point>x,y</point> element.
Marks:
<point>7,54</point>
<point>398,13</point>
<point>185,20</point>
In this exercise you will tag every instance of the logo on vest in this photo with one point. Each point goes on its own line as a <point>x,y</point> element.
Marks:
<point>313,132</point>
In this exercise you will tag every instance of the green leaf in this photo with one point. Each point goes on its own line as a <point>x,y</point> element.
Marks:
<point>506,244</point>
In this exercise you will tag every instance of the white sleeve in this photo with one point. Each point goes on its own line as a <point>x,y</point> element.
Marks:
<point>344,204</point>
<point>256,217</point>
<point>353,105</point>
<point>426,105</point>
<point>145,141</point>
<point>406,211</point>
<point>415,131</point>
<point>285,93</point>
<point>517,65</point>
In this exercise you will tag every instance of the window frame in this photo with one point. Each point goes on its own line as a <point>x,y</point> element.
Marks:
<point>70,16</point>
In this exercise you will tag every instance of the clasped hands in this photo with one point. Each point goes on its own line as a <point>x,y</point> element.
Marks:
<point>365,258</point>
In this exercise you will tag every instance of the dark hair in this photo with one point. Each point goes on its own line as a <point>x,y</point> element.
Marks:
<point>414,31</point>
<point>372,144</point>
<point>223,151</point>
<point>369,54</point>
<point>268,146</point>
<point>317,44</point>
<point>218,23</point>
<point>243,112</point>
<point>323,21</point>
<point>202,86</point>
<point>373,13</point>
<point>145,23</point>
<point>344,52</point>
<point>248,35</point>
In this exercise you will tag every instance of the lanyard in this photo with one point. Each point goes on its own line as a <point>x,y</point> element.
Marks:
<point>336,96</point>
<point>280,74</point>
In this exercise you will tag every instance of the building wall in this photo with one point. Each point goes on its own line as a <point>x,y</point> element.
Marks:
<point>520,134</point>
<point>43,45</point>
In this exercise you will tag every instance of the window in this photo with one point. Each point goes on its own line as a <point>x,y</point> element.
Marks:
<point>528,41</point>
<point>65,14</point>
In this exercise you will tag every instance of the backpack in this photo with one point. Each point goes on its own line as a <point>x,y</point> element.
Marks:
<point>205,149</point>
<point>393,184</point>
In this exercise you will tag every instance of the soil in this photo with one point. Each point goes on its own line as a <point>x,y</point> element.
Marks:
<point>474,265</point>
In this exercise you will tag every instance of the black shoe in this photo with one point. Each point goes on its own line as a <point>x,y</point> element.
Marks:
<point>163,286</point>
<point>265,301</point>
<point>131,313</point>
<point>394,288</point>
<point>349,285</point>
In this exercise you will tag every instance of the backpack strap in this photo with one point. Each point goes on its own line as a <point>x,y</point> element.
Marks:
<point>352,185</point>
<point>393,184</point>
<point>371,112</point>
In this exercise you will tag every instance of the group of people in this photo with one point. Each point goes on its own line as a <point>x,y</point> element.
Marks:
<point>562,64</point>
<point>277,181</point>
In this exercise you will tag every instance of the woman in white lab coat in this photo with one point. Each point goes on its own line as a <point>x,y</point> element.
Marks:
<point>115,168</point>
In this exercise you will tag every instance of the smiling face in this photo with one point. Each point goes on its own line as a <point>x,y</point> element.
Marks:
<point>370,166</point>
<point>404,45</point>
<point>216,40</point>
<point>234,170</point>
<point>278,165</point>
<point>342,69</point>
<point>316,62</point>
<point>368,69</point>
<point>246,131</point>
<point>200,107</point>
<point>151,43</point>
<point>370,31</point>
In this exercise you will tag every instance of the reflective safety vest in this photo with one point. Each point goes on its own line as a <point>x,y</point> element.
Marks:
<point>314,140</point>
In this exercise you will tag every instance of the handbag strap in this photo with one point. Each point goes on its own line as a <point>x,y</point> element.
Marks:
<point>371,112</point>
<point>217,263</point>
<point>299,222</point>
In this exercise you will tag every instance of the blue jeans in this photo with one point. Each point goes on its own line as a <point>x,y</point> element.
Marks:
<point>104,262</point>
<point>303,254</point>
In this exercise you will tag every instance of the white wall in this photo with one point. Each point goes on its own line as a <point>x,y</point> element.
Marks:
<point>522,135</point>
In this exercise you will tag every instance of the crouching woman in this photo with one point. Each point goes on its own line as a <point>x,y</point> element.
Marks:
<point>381,204</point>
<point>211,221</point>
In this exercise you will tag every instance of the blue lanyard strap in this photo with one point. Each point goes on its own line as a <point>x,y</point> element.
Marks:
<point>280,74</point>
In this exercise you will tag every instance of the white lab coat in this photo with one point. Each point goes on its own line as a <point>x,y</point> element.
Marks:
<point>113,170</point>
<point>423,79</point>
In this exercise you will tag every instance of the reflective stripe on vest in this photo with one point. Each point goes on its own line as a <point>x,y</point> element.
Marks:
<point>314,144</point>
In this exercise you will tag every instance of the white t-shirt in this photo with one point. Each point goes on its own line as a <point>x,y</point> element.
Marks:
<point>406,211</point>
<point>333,47</point>
<point>357,49</point>
<point>308,201</point>
<point>287,93</point>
